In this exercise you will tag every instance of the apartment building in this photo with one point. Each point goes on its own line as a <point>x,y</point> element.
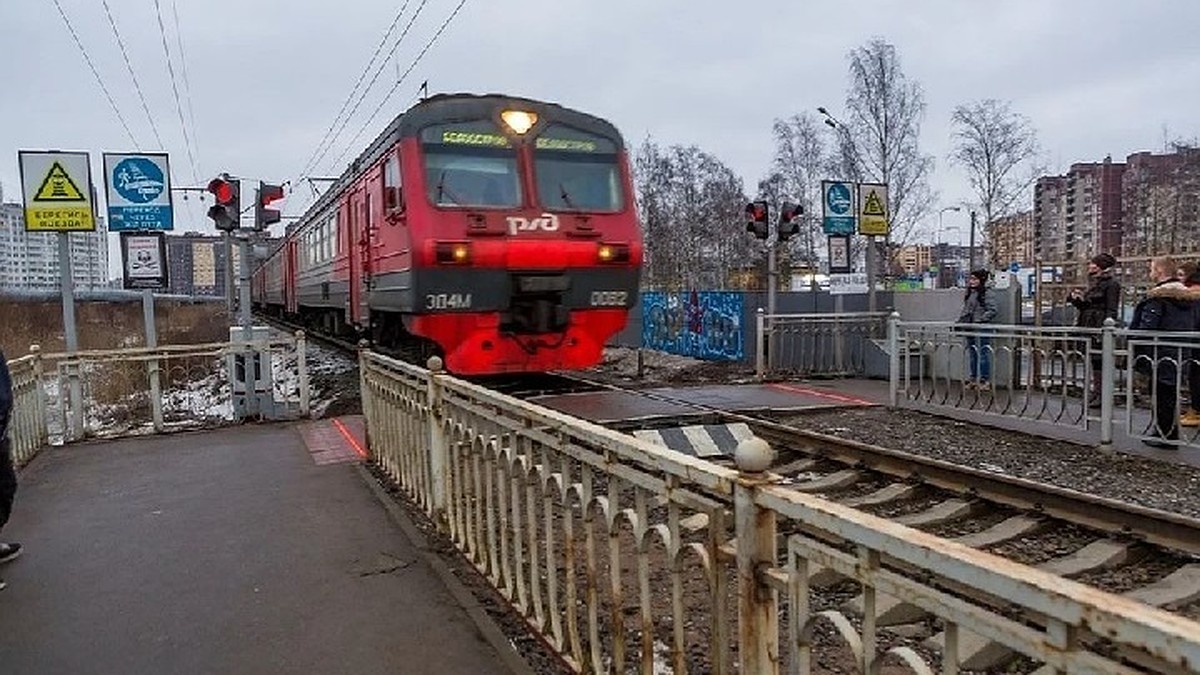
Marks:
<point>1011,239</point>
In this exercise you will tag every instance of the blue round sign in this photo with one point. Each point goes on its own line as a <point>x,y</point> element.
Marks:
<point>837,197</point>
<point>138,180</point>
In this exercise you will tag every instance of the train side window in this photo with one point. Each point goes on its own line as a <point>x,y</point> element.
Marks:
<point>393,200</point>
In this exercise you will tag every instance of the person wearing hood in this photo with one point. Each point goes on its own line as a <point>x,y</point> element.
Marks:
<point>979,306</point>
<point>1101,300</point>
<point>1168,307</point>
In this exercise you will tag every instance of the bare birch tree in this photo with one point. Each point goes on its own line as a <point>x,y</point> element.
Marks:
<point>881,137</point>
<point>797,169</point>
<point>691,207</point>
<point>999,150</point>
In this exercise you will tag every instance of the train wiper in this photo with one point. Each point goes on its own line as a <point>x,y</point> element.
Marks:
<point>442,189</point>
<point>566,197</point>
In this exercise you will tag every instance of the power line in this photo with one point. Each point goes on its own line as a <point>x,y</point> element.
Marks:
<point>374,78</point>
<point>129,66</point>
<point>187,141</point>
<point>96,73</point>
<point>354,90</point>
<point>187,85</point>
<point>401,80</point>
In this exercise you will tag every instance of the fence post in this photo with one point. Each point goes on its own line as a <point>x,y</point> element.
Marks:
<point>43,426</point>
<point>302,372</point>
<point>365,398</point>
<point>758,602</point>
<point>894,359</point>
<point>1108,376</point>
<point>760,343</point>
<point>438,464</point>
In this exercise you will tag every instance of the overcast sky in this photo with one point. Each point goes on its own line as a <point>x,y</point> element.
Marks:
<point>267,78</point>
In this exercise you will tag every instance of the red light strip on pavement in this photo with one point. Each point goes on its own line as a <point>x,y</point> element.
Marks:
<point>821,394</point>
<point>350,438</point>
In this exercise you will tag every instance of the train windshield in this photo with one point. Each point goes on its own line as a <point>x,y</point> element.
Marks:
<point>577,171</point>
<point>470,164</point>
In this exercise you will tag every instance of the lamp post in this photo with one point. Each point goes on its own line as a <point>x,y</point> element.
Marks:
<point>941,230</point>
<point>850,164</point>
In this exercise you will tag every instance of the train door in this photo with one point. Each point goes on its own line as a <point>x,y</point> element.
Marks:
<point>359,234</point>
<point>290,302</point>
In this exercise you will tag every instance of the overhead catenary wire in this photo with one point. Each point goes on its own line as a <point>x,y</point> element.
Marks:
<point>137,85</point>
<point>350,97</point>
<point>187,141</point>
<point>187,84</point>
<point>399,81</point>
<point>374,78</point>
<point>96,73</point>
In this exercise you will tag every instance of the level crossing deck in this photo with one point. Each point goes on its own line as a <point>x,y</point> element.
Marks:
<point>254,549</point>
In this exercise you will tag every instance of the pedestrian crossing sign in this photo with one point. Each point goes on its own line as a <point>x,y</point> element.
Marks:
<point>57,191</point>
<point>872,209</point>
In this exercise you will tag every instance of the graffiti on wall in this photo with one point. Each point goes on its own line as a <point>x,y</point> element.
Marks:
<point>703,325</point>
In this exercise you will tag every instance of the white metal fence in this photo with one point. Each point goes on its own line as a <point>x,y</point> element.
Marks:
<point>629,557</point>
<point>1091,379</point>
<point>62,398</point>
<point>817,345</point>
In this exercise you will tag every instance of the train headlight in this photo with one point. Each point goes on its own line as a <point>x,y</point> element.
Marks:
<point>452,253</point>
<point>519,121</point>
<point>613,253</point>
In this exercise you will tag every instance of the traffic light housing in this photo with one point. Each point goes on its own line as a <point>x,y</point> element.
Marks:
<point>264,197</point>
<point>756,219</point>
<point>788,227</point>
<point>227,211</point>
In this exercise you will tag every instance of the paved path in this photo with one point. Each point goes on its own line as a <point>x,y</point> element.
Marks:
<point>232,551</point>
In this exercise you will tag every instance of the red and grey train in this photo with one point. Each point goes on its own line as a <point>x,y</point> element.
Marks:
<point>498,232</point>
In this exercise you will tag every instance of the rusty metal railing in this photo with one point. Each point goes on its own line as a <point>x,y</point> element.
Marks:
<point>625,556</point>
<point>65,397</point>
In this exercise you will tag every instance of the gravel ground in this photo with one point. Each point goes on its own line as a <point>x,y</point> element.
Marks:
<point>620,367</point>
<point>1137,480</point>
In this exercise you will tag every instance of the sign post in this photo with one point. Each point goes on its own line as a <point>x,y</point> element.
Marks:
<point>872,222</point>
<point>57,190</point>
<point>138,191</point>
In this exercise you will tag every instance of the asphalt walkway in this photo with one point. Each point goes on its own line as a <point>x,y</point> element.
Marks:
<point>244,550</point>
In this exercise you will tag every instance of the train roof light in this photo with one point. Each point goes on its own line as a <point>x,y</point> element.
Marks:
<point>519,121</point>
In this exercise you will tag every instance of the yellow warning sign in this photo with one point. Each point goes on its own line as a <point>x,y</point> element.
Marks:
<point>872,209</point>
<point>57,191</point>
<point>58,187</point>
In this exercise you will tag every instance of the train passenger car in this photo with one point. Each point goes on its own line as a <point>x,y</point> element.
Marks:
<point>498,232</point>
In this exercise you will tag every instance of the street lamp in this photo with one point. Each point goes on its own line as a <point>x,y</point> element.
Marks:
<point>941,230</point>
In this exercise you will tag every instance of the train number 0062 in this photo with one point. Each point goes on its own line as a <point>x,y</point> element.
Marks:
<point>448,301</point>
<point>609,298</point>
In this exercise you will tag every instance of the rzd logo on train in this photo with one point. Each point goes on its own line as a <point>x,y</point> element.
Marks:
<point>548,222</point>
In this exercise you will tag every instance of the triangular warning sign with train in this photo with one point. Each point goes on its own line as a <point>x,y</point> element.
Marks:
<point>58,187</point>
<point>874,205</point>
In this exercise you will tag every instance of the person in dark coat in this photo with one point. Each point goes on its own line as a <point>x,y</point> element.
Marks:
<point>979,307</point>
<point>1190,274</point>
<point>1101,300</point>
<point>1168,307</point>
<point>8,472</point>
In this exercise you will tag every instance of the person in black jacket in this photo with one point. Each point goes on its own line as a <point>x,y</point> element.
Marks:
<point>8,472</point>
<point>1168,307</point>
<point>1101,300</point>
<point>1190,274</point>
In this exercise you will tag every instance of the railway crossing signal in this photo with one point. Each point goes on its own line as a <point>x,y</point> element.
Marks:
<point>264,196</point>
<point>788,227</point>
<point>756,219</point>
<point>226,213</point>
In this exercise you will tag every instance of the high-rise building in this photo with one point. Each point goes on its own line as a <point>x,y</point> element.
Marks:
<point>1161,203</point>
<point>1011,240</point>
<point>1049,221</point>
<point>29,260</point>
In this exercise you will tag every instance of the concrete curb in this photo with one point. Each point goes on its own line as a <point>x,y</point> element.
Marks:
<point>487,628</point>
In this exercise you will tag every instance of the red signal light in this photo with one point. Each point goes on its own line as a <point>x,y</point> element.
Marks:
<point>222,190</point>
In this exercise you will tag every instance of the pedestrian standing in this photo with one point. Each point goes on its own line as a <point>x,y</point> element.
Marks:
<point>1168,307</point>
<point>1101,300</point>
<point>979,307</point>
<point>1189,273</point>
<point>8,472</point>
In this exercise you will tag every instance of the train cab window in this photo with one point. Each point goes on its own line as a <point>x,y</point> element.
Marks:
<point>470,164</point>
<point>577,171</point>
<point>393,201</point>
